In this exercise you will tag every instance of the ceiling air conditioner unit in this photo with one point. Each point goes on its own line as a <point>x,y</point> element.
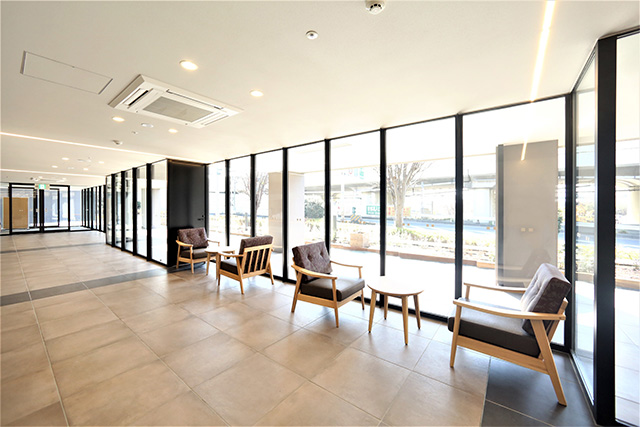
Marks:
<point>162,101</point>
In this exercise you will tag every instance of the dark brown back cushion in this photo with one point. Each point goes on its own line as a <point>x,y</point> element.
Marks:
<point>545,293</point>
<point>314,257</point>
<point>251,242</point>
<point>193,236</point>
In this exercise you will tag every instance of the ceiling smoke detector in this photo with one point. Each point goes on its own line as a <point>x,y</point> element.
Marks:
<point>374,6</point>
<point>117,142</point>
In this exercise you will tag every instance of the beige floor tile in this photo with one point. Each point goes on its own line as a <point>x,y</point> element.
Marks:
<point>354,308</point>
<point>229,316</point>
<point>179,292</point>
<point>13,287</point>
<point>207,358</point>
<point>133,288</point>
<point>268,301</point>
<point>388,344</point>
<point>305,352</point>
<point>470,373</point>
<point>351,328</point>
<point>310,405</point>
<point>70,308</point>
<point>50,281</point>
<point>86,340</point>
<point>38,269</point>
<point>304,314</point>
<point>261,331</point>
<point>208,302</point>
<point>129,292</point>
<point>20,338</point>
<point>27,394</point>
<point>423,401</point>
<point>64,298</point>
<point>185,410</point>
<point>156,318</point>
<point>87,369</point>
<point>428,327</point>
<point>135,306</point>
<point>69,325</point>
<point>169,338</point>
<point>51,415</point>
<point>17,316</point>
<point>443,335</point>
<point>24,361</point>
<point>246,392</point>
<point>363,380</point>
<point>124,398</point>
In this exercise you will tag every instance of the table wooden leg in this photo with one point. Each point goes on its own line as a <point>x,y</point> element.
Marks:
<point>405,319</point>
<point>386,305</point>
<point>373,309</point>
<point>415,302</point>
<point>208,261</point>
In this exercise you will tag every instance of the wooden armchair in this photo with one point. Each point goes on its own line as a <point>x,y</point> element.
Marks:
<point>518,336</point>
<point>253,259</point>
<point>192,243</point>
<point>314,284</point>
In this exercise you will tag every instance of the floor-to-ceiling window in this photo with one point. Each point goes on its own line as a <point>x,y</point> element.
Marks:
<point>627,300</point>
<point>585,224</point>
<point>268,203</point>
<point>217,197</point>
<point>306,197</point>
<point>108,203</point>
<point>240,201</point>
<point>4,214</point>
<point>159,211</point>
<point>128,210</point>
<point>141,210</point>
<point>355,202</point>
<point>117,194</point>
<point>421,196</point>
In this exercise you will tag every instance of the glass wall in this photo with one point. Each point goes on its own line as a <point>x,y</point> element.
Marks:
<point>128,210</point>
<point>117,193</point>
<point>306,197</point>
<point>64,207</point>
<point>268,201</point>
<point>627,300</point>
<point>584,225</point>
<point>107,199</point>
<point>141,209</point>
<point>421,198</point>
<point>355,203</point>
<point>159,211</point>
<point>217,197</point>
<point>24,203</point>
<point>240,204</point>
<point>4,213</point>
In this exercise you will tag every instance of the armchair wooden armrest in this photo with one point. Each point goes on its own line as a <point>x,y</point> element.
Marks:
<point>530,315</point>
<point>228,255</point>
<point>214,241</point>
<point>346,265</point>
<point>186,245</point>
<point>491,288</point>
<point>313,273</point>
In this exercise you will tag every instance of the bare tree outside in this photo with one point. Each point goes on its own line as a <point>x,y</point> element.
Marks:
<point>262,185</point>
<point>400,178</point>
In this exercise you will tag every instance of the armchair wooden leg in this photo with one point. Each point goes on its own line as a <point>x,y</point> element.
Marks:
<point>335,308</point>
<point>241,285</point>
<point>373,308</point>
<point>271,275</point>
<point>547,356</point>
<point>362,298</point>
<point>386,305</point>
<point>192,267</point>
<point>454,340</point>
<point>295,294</point>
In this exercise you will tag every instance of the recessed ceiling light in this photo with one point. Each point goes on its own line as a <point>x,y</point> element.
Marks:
<point>173,131</point>
<point>70,167</point>
<point>135,132</point>
<point>117,142</point>
<point>65,158</point>
<point>54,166</point>
<point>101,162</point>
<point>312,35</point>
<point>256,93</point>
<point>117,119</point>
<point>85,169</point>
<point>146,125</point>
<point>188,65</point>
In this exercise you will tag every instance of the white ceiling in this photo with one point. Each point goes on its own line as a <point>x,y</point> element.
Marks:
<point>416,60</point>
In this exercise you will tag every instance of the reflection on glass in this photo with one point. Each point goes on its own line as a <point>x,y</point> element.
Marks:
<point>627,299</point>
<point>217,196</point>
<point>24,202</point>
<point>108,199</point>
<point>128,210</point>
<point>355,203</point>
<point>4,213</point>
<point>159,211</point>
<point>240,180</point>
<point>64,207</point>
<point>585,222</point>
<point>306,198</point>
<point>268,199</point>
<point>421,209</point>
<point>51,207</point>
<point>117,192</point>
<point>141,209</point>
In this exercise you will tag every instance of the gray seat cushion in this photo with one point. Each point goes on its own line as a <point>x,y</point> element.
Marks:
<point>314,257</point>
<point>322,288</point>
<point>193,236</point>
<point>545,294</point>
<point>497,330</point>
<point>197,253</point>
<point>229,265</point>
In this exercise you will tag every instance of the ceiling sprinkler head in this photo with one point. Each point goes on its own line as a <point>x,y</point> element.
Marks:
<point>374,6</point>
<point>117,142</point>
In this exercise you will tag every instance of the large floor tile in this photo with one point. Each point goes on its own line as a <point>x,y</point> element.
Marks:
<point>229,316</point>
<point>70,308</point>
<point>311,405</point>
<point>175,336</point>
<point>388,344</point>
<point>246,392</point>
<point>207,302</point>
<point>23,361</point>
<point>305,352</point>
<point>17,316</point>
<point>27,394</point>
<point>185,410</point>
<point>134,306</point>
<point>351,328</point>
<point>305,313</point>
<point>365,381</point>
<point>261,331</point>
<point>207,358</point>
<point>124,398</point>
<point>423,401</point>
<point>496,415</point>
<point>20,338</point>
<point>268,301</point>
<point>88,369</point>
<point>71,324</point>
<point>156,318</point>
<point>51,415</point>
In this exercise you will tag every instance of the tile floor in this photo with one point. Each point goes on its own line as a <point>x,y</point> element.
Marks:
<point>92,335</point>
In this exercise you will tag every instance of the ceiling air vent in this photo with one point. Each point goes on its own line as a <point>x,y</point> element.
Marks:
<point>162,101</point>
